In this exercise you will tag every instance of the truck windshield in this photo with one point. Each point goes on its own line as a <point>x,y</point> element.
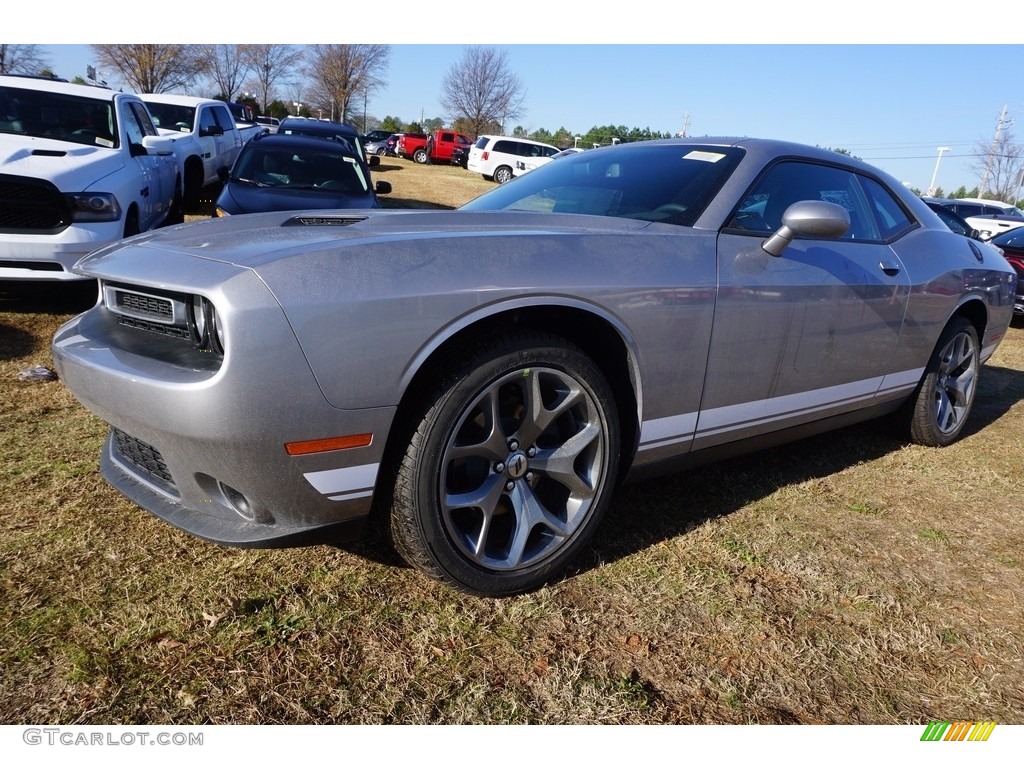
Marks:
<point>172,116</point>
<point>29,112</point>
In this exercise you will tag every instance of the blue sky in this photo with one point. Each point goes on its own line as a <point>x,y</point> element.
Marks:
<point>888,98</point>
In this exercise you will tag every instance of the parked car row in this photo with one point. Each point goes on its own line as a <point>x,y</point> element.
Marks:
<point>988,217</point>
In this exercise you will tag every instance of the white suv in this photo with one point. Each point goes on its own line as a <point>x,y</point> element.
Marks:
<point>495,157</point>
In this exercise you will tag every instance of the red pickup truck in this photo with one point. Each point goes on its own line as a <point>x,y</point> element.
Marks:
<point>413,146</point>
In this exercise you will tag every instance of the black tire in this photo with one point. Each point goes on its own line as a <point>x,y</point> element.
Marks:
<point>501,506</point>
<point>381,152</point>
<point>938,411</point>
<point>193,185</point>
<point>131,223</point>
<point>176,215</point>
<point>420,156</point>
<point>502,174</point>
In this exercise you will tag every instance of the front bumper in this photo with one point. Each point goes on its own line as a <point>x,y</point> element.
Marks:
<point>201,443</point>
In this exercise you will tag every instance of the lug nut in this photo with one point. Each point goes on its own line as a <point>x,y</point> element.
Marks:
<point>531,451</point>
<point>499,467</point>
<point>509,485</point>
<point>513,445</point>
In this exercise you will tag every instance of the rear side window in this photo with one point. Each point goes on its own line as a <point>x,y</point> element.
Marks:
<point>481,143</point>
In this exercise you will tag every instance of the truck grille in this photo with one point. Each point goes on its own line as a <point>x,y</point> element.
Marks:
<point>31,206</point>
<point>144,457</point>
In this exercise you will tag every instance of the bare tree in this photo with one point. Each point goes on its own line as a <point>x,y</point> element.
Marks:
<point>480,89</point>
<point>228,69</point>
<point>345,76</point>
<point>270,65</point>
<point>22,59</point>
<point>154,68</point>
<point>999,165</point>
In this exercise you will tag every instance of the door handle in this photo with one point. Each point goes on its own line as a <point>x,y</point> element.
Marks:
<point>889,268</point>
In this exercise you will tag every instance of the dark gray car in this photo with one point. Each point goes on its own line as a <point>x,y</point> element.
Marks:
<point>485,377</point>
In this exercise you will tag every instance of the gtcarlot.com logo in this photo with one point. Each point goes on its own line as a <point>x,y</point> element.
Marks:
<point>958,730</point>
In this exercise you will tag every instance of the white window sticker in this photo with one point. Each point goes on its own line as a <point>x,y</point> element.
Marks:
<point>707,157</point>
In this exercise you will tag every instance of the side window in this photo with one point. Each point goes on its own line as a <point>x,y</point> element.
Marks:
<point>891,217</point>
<point>447,137</point>
<point>223,118</point>
<point>791,181</point>
<point>145,121</point>
<point>132,127</point>
<point>207,121</point>
<point>550,151</point>
<point>508,147</point>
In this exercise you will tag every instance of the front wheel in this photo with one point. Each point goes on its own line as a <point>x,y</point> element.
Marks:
<point>942,402</point>
<point>509,468</point>
<point>503,174</point>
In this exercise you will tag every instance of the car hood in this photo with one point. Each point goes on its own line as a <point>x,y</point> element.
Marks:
<point>247,198</point>
<point>70,167</point>
<point>257,239</point>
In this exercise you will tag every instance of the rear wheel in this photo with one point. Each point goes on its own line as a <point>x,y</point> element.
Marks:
<point>420,156</point>
<point>509,468</point>
<point>942,403</point>
<point>503,174</point>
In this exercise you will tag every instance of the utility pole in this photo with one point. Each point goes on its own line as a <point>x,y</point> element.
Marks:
<point>992,152</point>
<point>685,130</point>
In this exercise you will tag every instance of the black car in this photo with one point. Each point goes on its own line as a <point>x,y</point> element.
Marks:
<point>954,220</point>
<point>460,155</point>
<point>282,172</point>
<point>376,136</point>
<point>304,126</point>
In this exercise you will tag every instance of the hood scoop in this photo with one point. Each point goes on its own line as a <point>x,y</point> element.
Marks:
<point>49,153</point>
<point>309,220</point>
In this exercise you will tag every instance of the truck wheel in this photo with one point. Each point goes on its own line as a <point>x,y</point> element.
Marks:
<point>131,223</point>
<point>503,174</point>
<point>420,156</point>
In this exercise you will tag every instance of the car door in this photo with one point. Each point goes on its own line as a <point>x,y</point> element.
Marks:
<point>152,187</point>
<point>209,136</point>
<point>811,333</point>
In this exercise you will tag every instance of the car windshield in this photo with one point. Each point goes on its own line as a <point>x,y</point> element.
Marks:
<point>283,167</point>
<point>29,112</point>
<point>172,116</point>
<point>668,183</point>
<point>1013,238</point>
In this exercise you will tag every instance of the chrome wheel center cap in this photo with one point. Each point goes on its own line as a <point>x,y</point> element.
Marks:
<point>517,464</point>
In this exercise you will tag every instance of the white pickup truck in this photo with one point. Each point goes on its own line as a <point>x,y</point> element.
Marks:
<point>206,138</point>
<point>245,120</point>
<point>80,167</point>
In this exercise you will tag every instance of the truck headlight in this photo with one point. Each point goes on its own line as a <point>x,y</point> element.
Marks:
<point>93,206</point>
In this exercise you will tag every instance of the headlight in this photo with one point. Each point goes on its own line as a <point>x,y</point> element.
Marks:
<point>218,212</point>
<point>93,206</point>
<point>205,325</point>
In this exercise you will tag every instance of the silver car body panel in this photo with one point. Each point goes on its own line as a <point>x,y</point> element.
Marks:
<point>326,325</point>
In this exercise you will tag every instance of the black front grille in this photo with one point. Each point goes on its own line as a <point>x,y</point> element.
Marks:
<point>31,206</point>
<point>150,306</point>
<point>143,457</point>
<point>164,330</point>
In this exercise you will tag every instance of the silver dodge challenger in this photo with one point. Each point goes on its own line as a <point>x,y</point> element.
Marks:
<point>480,380</point>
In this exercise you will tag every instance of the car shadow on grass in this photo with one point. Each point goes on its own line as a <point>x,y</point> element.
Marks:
<point>645,513</point>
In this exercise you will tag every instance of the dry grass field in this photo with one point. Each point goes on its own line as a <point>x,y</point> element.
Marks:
<point>850,578</point>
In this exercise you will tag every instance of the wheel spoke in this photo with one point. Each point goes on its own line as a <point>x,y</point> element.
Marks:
<point>560,463</point>
<point>493,446</point>
<point>538,417</point>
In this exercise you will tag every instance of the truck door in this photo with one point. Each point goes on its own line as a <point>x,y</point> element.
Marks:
<point>151,191</point>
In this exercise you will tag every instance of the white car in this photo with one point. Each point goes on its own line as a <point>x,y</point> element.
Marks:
<point>495,157</point>
<point>529,163</point>
<point>82,167</point>
<point>989,217</point>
